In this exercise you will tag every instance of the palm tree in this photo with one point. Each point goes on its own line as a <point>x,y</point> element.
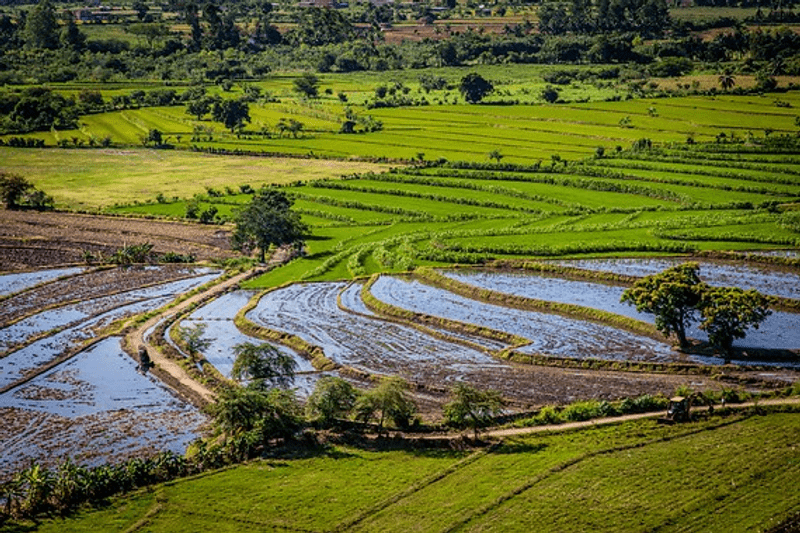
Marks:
<point>727,80</point>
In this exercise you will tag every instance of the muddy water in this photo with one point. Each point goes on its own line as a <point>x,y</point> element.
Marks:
<point>11,283</point>
<point>763,279</point>
<point>218,317</point>
<point>96,407</point>
<point>550,334</point>
<point>780,331</point>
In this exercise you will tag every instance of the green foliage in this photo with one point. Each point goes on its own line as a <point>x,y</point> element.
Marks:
<point>266,221</point>
<point>728,312</point>
<point>13,188</point>
<point>307,85</point>
<point>134,254</point>
<point>255,415</point>
<point>262,366</point>
<point>672,296</point>
<point>232,113</point>
<point>388,401</point>
<point>192,338</point>
<point>333,398</point>
<point>41,27</point>
<point>471,407</point>
<point>474,87</point>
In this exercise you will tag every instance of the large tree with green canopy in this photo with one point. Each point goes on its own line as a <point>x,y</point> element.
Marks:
<point>268,220</point>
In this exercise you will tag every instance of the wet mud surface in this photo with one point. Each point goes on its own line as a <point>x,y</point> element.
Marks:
<point>747,276</point>
<point>310,312</point>
<point>94,408</point>
<point>780,330</point>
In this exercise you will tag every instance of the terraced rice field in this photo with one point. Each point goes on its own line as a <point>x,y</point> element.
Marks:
<point>68,391</point>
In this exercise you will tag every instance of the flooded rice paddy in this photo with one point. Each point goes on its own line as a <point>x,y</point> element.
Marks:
<point>310,312</point>
<point>11,283</point>
<point>223,335</point>
<point>93,408</point>
<point>780,330</point>
<point>549,334</point>
<point>746,276</point>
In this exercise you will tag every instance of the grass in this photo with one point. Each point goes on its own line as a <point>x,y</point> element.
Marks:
<point>93,179</point>
<point>717,474</point>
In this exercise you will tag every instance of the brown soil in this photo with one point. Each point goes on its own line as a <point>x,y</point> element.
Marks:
<point>30,239</point>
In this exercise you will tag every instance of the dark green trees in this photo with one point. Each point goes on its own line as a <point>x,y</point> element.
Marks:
<point>41,27</point>
<point>728,312</point>
<point>472,408</point>
<point>267,221</point>
<point>672,296</point>
<point>676,295</point>
<point>17,192</point>
<point>474,87</point>
<point>232,113</point>
<point>263,366</point>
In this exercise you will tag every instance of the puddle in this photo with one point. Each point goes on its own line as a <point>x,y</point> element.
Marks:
<point>748,276</point>
<point>95,408</point>
<point>780,330</point>
<point>550,334</point>
<point>351,299</point>
<point>11,283</point>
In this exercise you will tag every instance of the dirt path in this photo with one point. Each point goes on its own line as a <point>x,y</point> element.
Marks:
<point>180,378</point>
<point>511,432</point>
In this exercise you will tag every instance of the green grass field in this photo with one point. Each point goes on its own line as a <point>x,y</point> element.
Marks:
<point>724,474</point>
<point>634,202</point>
<point>98,178</point>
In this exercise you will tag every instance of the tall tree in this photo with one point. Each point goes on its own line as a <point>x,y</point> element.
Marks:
<point>728,312</point>
<point>474,87</point>
<point>263,365</point>
<point>471,407</point>
<point>332,398</point>
<point>388,401</point>
<point>672,296</point>
<point>232,113</point>
<point>41,27</point>
<point>307,85</point>
<point>268,220</point>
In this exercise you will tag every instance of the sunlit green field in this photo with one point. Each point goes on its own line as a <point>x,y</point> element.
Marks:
<point>447,128</point>
<point>729,474</point>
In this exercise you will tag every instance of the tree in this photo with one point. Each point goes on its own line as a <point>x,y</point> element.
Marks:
<point>154,136</point>
<point>728,312</point>
<point>232,113</point>
<point>307,85</point>
<point>550,94</point>
<point>332,398</point>
<point>268,220</point>
<point>192,337</point>
<point>474,87</point>
<point>388,401</point>
<point>672,296</point>
<point>13,188</point>
<point>726,80</point>
<point>41,27</point>
<point>472,408</point>
<point>199,107</point>
<point>263,365</point>
<point>496,155</point>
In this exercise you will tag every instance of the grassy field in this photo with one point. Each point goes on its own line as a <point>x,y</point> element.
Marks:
<point>446,127</point>
<point>723,474</point>
<point>93,179</point>
<point>668,200</point>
